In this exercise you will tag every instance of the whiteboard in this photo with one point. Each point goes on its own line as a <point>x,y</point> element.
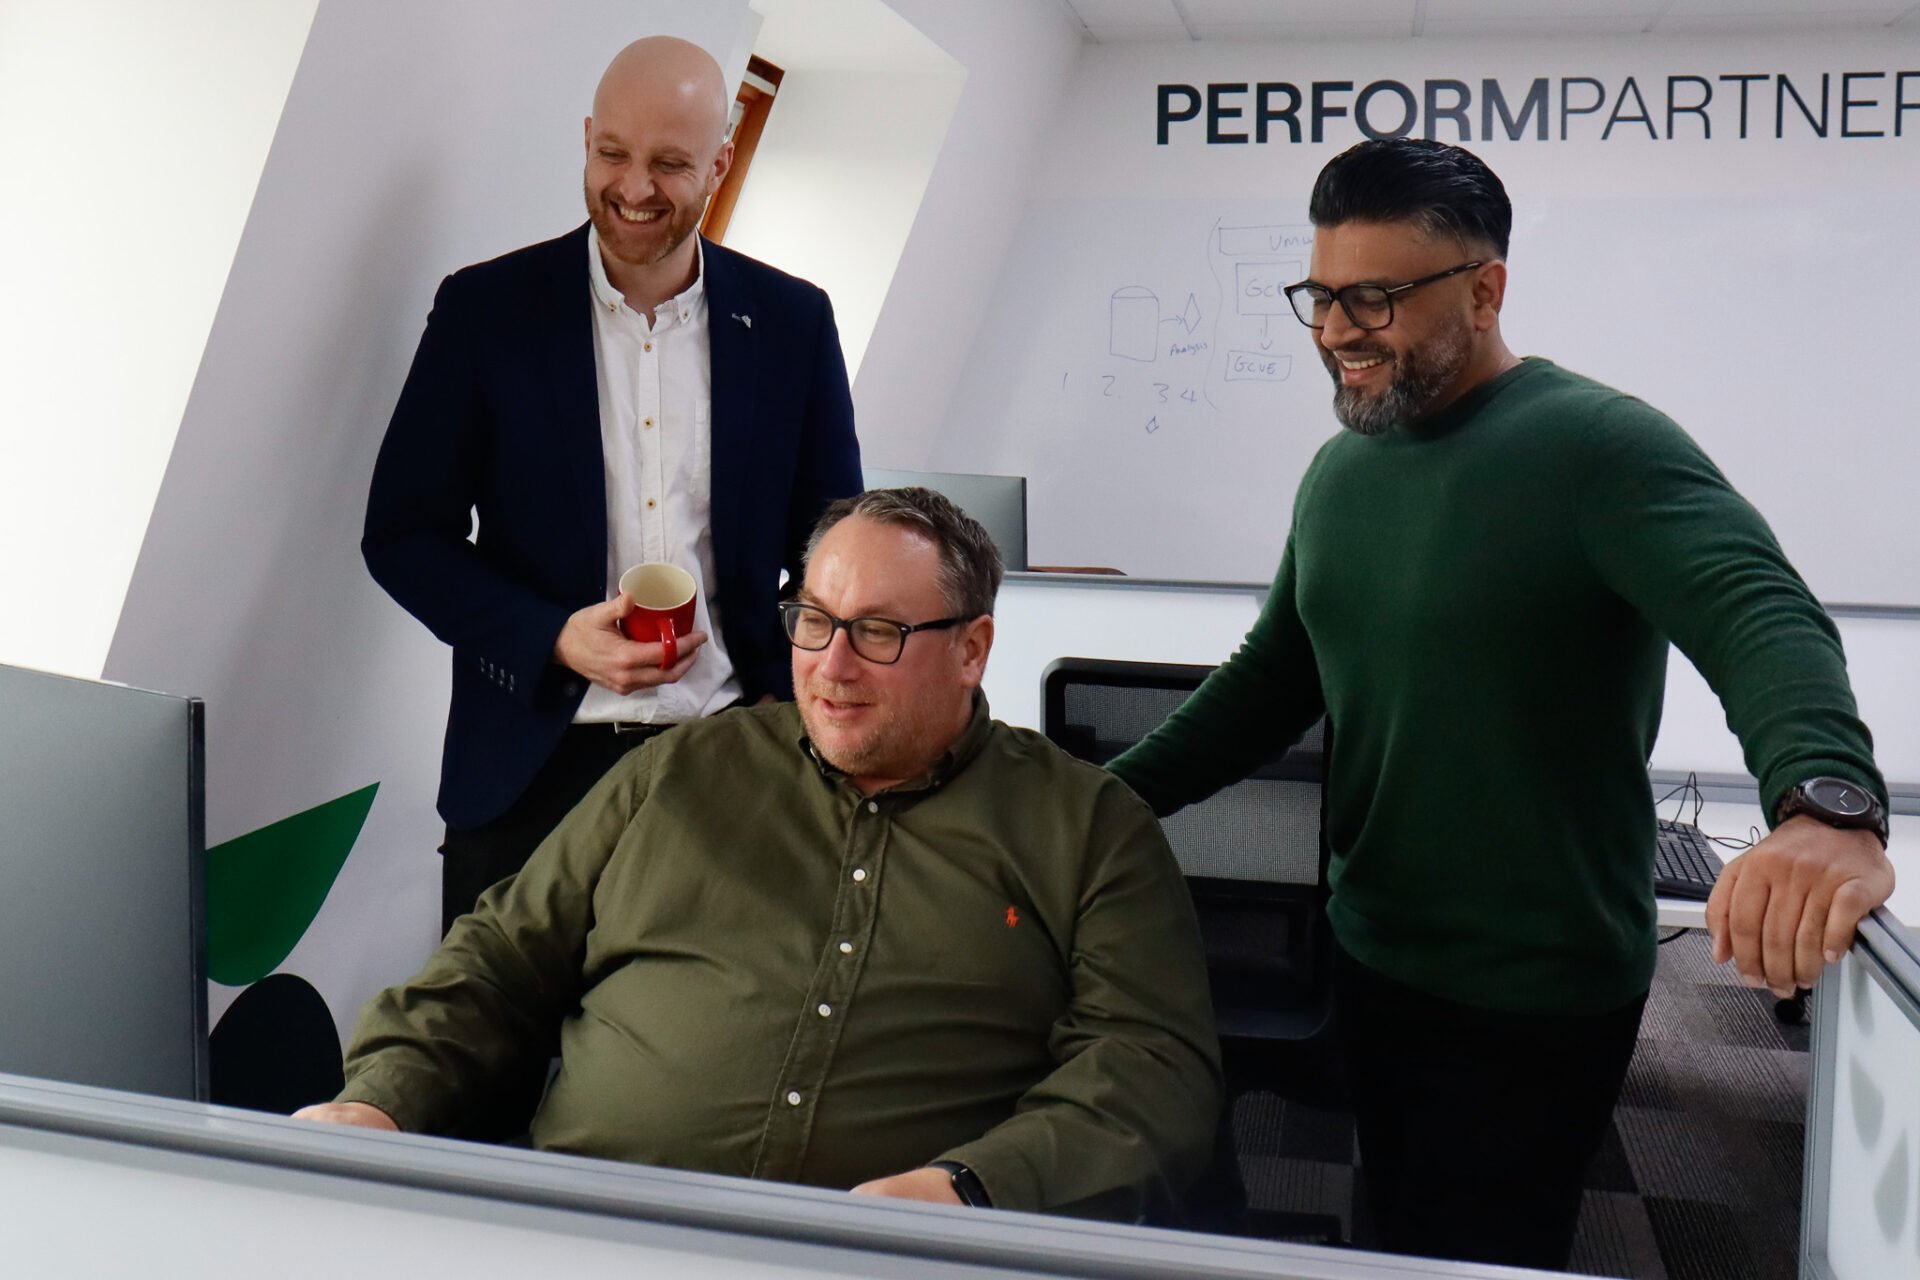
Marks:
<point>1142,369</point>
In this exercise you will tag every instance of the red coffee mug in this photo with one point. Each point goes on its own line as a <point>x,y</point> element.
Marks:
<point>662,606</point>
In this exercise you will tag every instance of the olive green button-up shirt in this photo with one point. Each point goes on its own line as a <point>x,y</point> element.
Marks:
<point>748,967</point>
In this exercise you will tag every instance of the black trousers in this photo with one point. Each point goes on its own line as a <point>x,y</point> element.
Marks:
<point>475,859</point>
<point>1476,1127</point>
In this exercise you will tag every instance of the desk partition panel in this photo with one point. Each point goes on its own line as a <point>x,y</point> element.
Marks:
<point>1862,1211</point>
<point>109,1184</point>
<point>102,832</point>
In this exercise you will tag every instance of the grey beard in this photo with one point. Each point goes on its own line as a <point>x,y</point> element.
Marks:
<point>1420,378</point>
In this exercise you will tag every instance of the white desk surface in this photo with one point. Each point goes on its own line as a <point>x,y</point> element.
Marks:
<point>1737,821</point>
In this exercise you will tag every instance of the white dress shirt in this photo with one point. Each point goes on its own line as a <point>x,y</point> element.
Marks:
<point>656,399</point>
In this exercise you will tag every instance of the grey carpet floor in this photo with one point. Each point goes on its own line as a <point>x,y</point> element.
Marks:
<point>1700,1176</point>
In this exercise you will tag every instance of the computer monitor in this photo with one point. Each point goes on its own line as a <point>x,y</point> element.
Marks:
<point>998,502</point>
<point>102,834</point>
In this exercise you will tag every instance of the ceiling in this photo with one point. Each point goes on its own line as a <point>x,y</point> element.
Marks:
<point>1122,21</point>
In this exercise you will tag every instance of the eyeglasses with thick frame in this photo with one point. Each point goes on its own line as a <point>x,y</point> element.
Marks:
<point>878,640</point>
<point>1312,302</point>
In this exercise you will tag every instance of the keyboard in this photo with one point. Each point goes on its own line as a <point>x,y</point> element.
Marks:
<point>1684,864</point>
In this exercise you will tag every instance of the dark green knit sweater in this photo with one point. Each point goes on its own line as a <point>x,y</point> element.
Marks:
<point>1482,604</point>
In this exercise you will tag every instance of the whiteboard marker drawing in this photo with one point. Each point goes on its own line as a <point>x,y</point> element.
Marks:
<point>1259,288</point>
<point>1133,323</point>
<point>1257,366</point>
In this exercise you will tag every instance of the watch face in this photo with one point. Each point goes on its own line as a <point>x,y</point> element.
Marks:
<point>1837,796</point>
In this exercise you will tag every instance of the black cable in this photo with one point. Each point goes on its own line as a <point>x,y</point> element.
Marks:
<point>1687,790</point>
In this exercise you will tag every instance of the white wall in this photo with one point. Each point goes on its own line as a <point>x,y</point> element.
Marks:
<point>1019,57</point>
<point>837,181</point>
<point>860,117</point>
<point>131,137</point>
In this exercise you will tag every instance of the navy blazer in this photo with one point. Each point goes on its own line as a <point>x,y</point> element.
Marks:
<point>500,417</point>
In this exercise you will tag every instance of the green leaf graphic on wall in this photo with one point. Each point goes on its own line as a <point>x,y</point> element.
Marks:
<point>264,888</point>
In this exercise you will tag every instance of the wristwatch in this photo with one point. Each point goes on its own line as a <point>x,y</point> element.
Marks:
<point>966,1184</point>
<point>1836,802</point>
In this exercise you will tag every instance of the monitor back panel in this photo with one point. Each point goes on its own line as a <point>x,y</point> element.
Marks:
<point>999,503</point>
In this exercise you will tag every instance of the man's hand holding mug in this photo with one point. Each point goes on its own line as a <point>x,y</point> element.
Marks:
<point>640,639</point>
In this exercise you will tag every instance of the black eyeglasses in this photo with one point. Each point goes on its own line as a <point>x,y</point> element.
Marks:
<point>880,640</point>
<point>1369,306</point>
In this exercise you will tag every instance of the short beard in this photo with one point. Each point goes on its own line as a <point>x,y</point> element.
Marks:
<point>680,224</point>
<point>889,750</point>
<point>1419,378</point>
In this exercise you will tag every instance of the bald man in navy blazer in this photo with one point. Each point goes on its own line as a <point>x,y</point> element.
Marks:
<point>628,392</point>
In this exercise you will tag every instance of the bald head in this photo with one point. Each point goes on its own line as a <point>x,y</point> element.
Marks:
<point>666,72</point>
<point>656,150</point>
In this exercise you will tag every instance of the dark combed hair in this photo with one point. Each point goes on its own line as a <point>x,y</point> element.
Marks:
<point>1443,189</point>
<point>969,573</point>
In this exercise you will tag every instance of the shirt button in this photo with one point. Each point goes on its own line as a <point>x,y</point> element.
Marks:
<point>826,1011</point>
<point>859,873</point>
<point>647,346</point>
<point>650,504</point>
<point>873,806</point>
<point>647,422</point>
<point>793,1099</point>
<point>846,948</point>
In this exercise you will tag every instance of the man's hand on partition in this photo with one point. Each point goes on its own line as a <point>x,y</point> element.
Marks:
<point>933,1185</point>
<point>1789,905</point>
<point>365,1115</point>
<point>593,645</point>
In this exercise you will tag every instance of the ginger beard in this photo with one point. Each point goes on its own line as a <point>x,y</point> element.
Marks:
<point>662,226</point>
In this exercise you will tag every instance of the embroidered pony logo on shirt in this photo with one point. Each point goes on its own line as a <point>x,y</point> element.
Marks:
<point>1013,917</point>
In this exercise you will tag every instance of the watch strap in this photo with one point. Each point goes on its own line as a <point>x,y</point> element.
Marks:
<point>966,1183</point>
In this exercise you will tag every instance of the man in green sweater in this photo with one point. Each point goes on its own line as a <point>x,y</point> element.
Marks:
<point>1479,584</point>
<point>875,940</point>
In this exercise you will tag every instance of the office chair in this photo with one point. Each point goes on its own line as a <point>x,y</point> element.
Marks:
<point>1255,862</point>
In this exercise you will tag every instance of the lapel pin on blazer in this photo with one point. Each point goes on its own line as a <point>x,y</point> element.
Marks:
<point>745,320</point>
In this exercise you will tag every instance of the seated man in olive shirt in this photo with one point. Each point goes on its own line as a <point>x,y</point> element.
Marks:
<point>872,939</point>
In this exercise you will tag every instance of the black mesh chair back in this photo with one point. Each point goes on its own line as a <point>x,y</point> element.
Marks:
<point>1253,853</point>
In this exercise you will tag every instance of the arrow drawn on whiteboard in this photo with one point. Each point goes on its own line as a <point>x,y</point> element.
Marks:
<point>1189,317</point>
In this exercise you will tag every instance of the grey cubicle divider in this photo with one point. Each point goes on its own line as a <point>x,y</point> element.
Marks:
<point>102,833</point>
<point>1861,1212</point>
<point>110,1183</point>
